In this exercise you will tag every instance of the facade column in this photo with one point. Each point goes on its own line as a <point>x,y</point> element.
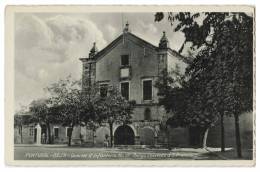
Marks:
<point>94,138</point>
<point>113,141</point>
<point>39,134</point>
<point>155,140</point>
<point>137,140</point>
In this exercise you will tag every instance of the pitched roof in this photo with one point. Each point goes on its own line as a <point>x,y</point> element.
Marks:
<point>110,46</point>
<point>187,60</point>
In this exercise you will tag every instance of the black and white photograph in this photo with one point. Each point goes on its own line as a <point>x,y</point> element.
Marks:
<point>118,85</point>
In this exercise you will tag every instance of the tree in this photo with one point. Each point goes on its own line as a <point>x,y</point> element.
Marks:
<point>225,61</point>
<point>43,113</point>
<point>185,100</point>
<point>89,116</point>
<point>66,96</point>
<point>237,47</point>
<point>114,109</point>
<point>93,126</point>
<point>21,118</point>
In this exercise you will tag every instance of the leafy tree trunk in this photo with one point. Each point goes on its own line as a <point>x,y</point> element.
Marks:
<point>238,141</point>
<point>49,133</point>
<point>168,138</point>
<point>69,142</point>
<point>21,130</point>
<point>222,132</point>
<point>93,137</point>
<point>69,135</point>
<point>111,134</point>
<point>168,141</point>
<point>205,137</point>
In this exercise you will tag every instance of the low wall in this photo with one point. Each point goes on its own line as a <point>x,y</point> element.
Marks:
<point>246,131</point>
<point>179,137</point>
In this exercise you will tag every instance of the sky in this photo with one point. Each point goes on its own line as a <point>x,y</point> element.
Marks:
<point>48,45</point>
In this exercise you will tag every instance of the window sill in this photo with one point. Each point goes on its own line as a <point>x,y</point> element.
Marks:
<point>147,101</point>
<point>125,66</point>
<point>125,78</point>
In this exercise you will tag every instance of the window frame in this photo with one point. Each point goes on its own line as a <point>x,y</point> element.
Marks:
<point>67,131</point>
<point>121,60</point>
<point>31,131</point>
<point>143,80</point>
<point>147,114</point>
<point>103,85</point>
<point>58,132</point>
<point>128,88</point>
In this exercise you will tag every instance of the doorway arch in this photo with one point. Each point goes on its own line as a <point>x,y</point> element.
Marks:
<point>147,136</point>
<point>100,134</point>
<point>124,135</point>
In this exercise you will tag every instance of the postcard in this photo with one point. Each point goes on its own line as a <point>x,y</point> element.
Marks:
<point>130,85</point>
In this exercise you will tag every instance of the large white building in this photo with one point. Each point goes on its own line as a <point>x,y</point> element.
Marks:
<point>133,65</point>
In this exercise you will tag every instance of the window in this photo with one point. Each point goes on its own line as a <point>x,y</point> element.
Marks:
<point>31,131</point>
<point>147,90</point>
<point>124,60</point>
<point>103,90</point>
<point>56,132</point>
<point>125,90</point>
<point>147,114</point>
<point>68,131</point>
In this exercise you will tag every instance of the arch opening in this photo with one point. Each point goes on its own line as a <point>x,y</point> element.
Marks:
<point>147,136</point>
<point>147,114</point>
<point>100,135</point>
<point>124,135</point>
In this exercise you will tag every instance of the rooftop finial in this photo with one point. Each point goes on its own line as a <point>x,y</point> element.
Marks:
<point>126,29</point>
<point>93,50</point>
<point>164,43</point>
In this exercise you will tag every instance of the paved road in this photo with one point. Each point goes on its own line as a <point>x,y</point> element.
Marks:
<point>79,153</point>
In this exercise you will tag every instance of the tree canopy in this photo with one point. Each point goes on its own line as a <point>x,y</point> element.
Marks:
<point>220,78</point>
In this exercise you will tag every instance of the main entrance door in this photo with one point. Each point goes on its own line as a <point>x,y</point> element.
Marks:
<point>35,135</point>
<point>124,135</point>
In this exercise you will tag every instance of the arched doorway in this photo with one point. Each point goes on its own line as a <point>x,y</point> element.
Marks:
<point>147,114</point>
<point>124,135</point>
<point>147,136</point>
<point>43,134</point>
<point>101,135</point>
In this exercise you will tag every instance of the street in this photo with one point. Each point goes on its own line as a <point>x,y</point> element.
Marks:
<point>62,152</point>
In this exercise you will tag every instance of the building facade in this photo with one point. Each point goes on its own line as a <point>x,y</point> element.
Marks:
<point>133,65</point>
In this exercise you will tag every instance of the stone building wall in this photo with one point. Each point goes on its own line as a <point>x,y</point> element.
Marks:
<point>24,135</point>
<point>142,61</point>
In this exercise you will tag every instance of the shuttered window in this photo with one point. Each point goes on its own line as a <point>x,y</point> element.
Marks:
<point>103,90</point>
<point>56,132</point>
<point>125,60</point>
<point>125,90</point>
<point>147,90</point>
<point>69,131</point>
